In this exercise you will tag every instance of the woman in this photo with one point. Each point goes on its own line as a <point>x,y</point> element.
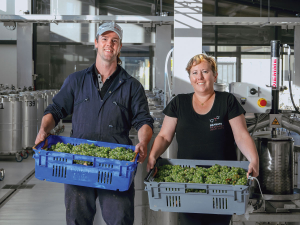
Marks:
<point>206,123</point>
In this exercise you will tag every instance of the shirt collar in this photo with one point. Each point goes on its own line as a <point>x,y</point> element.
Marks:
<point>114,74</point>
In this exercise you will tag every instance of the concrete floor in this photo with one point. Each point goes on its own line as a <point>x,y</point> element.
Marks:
<point>44,202</point>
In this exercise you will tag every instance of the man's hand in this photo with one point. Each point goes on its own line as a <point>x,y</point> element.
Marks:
<point>144,135</point>
<point>47,125</point>
<point>40,137</point>
<point>141,148</point>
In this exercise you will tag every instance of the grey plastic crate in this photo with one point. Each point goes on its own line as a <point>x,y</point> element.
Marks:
<point>218,199</point>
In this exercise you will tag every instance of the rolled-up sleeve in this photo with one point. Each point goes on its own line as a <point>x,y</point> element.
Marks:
<point>140,109</point>
<point>63,102</point>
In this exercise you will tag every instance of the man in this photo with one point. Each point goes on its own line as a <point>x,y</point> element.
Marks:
<point>105,102</point>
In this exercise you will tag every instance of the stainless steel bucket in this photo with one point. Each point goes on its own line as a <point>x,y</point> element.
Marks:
<point>276,164</point>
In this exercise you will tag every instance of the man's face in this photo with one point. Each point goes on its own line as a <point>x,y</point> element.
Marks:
<point>108,45</point>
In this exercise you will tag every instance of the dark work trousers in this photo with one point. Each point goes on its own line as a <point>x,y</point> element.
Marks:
<point>203,219</point>
<point>117,207</point>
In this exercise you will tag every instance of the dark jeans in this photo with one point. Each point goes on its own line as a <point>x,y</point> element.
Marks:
<point>203,219</point>
<point>80,202</point>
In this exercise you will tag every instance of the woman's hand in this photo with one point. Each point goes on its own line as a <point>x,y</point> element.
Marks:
<point>254,169</point>
<point>151,163</point>
<point>162,140</point>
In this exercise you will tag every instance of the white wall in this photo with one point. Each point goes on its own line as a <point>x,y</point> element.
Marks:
<point>8,53</point>
<point>132,33</point>
<point>73,31</point>
<point>7,7</point>
<point>14,7</point>
<point>8,65</point>
<point>187,40</point>
<point>24,55</point>
<point>162,48</point>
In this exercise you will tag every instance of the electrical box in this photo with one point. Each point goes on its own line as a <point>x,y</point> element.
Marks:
<point>253,98</point>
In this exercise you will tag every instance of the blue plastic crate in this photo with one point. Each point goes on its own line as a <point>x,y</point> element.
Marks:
<point>217,199</point>
<point>105,173</point>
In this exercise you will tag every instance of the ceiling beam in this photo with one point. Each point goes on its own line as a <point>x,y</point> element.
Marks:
<point>39,18</point>
<point>290,6</point>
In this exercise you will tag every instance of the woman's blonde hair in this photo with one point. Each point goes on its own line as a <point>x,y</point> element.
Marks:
<point>197,59</point>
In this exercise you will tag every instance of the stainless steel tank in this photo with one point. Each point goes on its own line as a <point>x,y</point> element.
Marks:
<point>40,107</point>
<point>10,124</point>
<point>276,164</point>
<point>157,115</point>
<point>48,95</point>
<point>154,100</point>
<point>159,107</point>
<point>3,92</point>
<point>29,121</point>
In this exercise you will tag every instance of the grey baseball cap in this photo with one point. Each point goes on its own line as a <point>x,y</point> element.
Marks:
<point>110,26</point>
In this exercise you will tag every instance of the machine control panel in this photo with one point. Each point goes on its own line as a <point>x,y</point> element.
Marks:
<point>253,98</point>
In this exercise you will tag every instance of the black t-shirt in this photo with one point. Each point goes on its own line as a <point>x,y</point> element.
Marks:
<point>209,136</point>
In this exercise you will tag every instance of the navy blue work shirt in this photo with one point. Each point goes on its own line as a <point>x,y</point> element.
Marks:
<point>107,119</point>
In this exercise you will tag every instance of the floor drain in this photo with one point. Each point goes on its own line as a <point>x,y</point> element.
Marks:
<point>13,186</point>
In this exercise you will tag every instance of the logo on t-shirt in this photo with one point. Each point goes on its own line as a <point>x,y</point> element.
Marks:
<point>215,124</point>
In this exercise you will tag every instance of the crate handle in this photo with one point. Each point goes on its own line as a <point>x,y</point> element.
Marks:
<point>249,180</point>
<point>45,145</point>
<point>136,156</point>
<point>153,171</point>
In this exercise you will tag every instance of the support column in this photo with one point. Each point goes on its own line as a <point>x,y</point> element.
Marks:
<point>152,69</point>
<point>24,46</point>
<point>238,64</point>
<point>162,47</point>
<point>24,55</point>
<point>187,40</point>
<point>216,31</point>
<point>297,56</point>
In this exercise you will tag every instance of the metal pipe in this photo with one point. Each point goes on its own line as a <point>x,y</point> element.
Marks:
<point>216,32</point>
<point>160,8</point>
<point>291,125</point>
<point>167,79</point>
<point>259,125</point>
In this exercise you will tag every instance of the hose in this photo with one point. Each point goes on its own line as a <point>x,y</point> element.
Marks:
<point>255,124</point>
<point>289,75</point>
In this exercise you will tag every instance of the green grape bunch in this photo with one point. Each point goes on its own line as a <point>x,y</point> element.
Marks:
<point>119,153</point>
<point>215,174</point>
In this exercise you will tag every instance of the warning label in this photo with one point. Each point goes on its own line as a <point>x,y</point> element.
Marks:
<point>275,122</point>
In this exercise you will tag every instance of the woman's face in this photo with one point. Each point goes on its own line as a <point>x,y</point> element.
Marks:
<point>202,77</point>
